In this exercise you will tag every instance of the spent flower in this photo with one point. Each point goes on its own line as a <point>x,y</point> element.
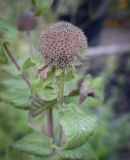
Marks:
<point>62,44</point>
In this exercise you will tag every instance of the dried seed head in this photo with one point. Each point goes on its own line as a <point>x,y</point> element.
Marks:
<point>26,21</point>
<point>61,44</point>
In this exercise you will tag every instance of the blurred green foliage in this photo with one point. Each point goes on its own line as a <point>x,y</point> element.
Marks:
<point>13,124</point>
<point>113,133</point>
<point>40,7</point>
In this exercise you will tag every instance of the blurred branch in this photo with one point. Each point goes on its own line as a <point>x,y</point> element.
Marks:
<point>30,43</point>
<point>102,9</point>
<point>50,123</point>
<point>108,50</point>
<point>100,12</point>
<point>12,58</point>
<point>8,52</point>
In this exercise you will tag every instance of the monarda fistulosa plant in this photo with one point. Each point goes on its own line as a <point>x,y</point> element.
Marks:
<point>66,129</point>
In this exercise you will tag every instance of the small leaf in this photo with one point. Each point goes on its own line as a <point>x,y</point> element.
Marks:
<point>50,77</point>
<point>46,87</point>
<point>78,126</point>
<point>41,6</point>
<point>70,75</point>
<point>86,89</point>
<point>84,152</point>
<point>35,143</point>
<point>28,63</point>
<point>37,85</point>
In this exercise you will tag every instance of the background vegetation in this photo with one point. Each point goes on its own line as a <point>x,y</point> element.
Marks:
<point>110,80</point>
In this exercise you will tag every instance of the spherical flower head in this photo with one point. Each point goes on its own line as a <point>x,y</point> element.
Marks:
<point>62,44</point>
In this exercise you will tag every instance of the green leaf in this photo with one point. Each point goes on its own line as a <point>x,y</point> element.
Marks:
<point>84,152</point>
<point>41,6</point>
<point>3,57</point>
<point>37,85</point>
<point>28,63</point>
<point>49,79</point>
<point>35,143</point>
<point>16,92</point>
<point>46,87</point>
<point>78,126</point>
<point>48,92</point>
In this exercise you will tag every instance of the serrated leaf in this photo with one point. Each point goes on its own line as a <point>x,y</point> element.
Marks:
<point>78,126</point>
<point>16,92</point>
<point>3,57</point>
<point>28,63</point>
<point>36,144</point>
<point>84,152</point>
<point>41,6</point>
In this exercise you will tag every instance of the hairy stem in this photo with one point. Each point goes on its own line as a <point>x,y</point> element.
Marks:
<point>8,52</point>
<point>61,100</point>
<point>61,89</point>
<point>12,58</point>
<point>30,43</point>
<point>50,123</point>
